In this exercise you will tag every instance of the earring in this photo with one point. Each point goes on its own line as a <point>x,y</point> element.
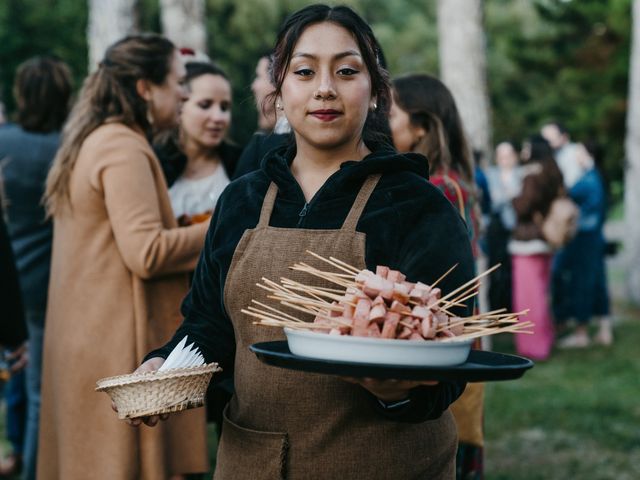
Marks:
<point>150,118</point>
<point>374,106</point>
<point>279,106</point>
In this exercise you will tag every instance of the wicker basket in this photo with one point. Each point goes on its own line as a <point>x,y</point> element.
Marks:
<point>152,393</point>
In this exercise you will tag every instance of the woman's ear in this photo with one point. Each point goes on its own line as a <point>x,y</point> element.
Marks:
<point>143,89</point>
<point>419,132</point>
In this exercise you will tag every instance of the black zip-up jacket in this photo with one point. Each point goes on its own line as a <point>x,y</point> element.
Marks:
<point>410,226</point>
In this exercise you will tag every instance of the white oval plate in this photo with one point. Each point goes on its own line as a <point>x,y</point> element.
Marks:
<point>376,350</point>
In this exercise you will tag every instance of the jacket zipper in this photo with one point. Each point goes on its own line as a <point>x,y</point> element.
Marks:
<point>302,214</point>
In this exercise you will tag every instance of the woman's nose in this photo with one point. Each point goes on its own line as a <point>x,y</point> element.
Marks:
<point>326,88</point>
<point>217,114</point>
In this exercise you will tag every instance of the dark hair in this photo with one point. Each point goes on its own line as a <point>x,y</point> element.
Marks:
<point>109,94</point>
<point>540,150</point>
<point>197,69</point>
<point>560,126</point>
<point>376,129</point>
<point>42,89</point>
<point>430,104</point>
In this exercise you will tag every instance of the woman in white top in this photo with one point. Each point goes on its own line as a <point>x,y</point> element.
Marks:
<point>199,160</point>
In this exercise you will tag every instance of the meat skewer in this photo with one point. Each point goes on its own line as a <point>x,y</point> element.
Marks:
<point>381,304</point>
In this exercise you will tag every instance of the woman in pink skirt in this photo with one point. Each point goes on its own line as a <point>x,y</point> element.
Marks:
<point>530,254</point>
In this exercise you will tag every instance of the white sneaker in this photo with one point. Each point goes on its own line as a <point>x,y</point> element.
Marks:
<point>575,340</point>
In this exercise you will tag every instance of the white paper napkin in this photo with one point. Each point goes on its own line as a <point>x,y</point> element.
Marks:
<point>181,357</point>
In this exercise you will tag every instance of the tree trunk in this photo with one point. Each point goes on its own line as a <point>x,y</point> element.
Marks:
<point>109,21</point>
<point>463,66</point>
<point>632,167</point>
<point>183,23</point>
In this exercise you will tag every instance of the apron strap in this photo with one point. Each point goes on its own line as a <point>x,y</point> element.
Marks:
<point>267,205</point>
<point>350,222</point>
<point>367,188</point>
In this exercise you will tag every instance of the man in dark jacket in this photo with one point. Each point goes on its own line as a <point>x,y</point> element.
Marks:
<point>43,89</point>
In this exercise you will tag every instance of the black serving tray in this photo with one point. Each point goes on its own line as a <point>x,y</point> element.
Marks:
<point>481,366</point>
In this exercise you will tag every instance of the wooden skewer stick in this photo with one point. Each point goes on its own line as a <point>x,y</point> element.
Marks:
<point>293,285</point>
<point>487,314</point>
<point>304,267</point>
<point>285,289</point>
<point>511,329</point>
<point>466,285</point>
<point>277,311</point>
<point>444,275</point>
<point>298,326</point>
<point>273,315</point>
<point>324,275</point>
<point>460,295</point>
<point>343,276</point>
<point>324,289</point>
<point>332,263</point>
<point>346,265</point>
<point>308,302</point>
<point>467,297</point>
<point>305,310</point>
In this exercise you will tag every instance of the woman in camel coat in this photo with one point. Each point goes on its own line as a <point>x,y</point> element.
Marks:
<point>118,272</point>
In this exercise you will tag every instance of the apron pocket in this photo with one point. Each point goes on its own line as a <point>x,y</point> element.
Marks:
<point>249,454</point>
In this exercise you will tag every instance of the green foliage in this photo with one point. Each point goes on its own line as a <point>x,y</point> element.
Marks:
<point>564,61</point>
<point>38,27</point>
<point>547,59</point>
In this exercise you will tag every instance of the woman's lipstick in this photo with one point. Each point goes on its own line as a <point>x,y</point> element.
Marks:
<point>326,115</point>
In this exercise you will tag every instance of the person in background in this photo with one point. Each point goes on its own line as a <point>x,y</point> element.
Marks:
<point>13,335</point>
<point>564,151</point>
<point>198,160</point>
<point>340,190</point>
<point>531,256</point>
<point>484,196</point>
<point>43,88</point>
<point>262,87</point>
<point>197,157</point>
<point>273,127</point>
<point>424,119</point>
<point>13,329</point>
<point>120,265</point>
<point>504,184</point>
<point>3,115</point>
<point>580,289</point>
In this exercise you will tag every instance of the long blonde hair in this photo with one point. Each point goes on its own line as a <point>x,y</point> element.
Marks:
<point>108,94</point>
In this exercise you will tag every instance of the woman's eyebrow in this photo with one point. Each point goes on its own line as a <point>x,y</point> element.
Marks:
<point>337,56</point>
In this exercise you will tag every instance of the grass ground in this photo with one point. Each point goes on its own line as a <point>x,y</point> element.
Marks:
<point>576,415</point>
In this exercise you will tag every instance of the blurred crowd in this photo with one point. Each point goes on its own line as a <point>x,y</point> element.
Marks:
<point>537,208</point>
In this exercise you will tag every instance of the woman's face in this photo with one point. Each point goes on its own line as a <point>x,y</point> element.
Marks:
<point>405,134</point>
<point>165,101</point>
<point>506,156</point>
<point>206,115</point>
<point>584,158</point>
<point>326,92</point>
<point>261,87</point>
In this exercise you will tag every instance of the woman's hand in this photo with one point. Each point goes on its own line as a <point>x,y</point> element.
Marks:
<point>388,390</point>
<point>18,358</point>
<point>150,365</point>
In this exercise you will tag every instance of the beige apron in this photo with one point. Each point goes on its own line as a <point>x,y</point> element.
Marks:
<point>294,425</point>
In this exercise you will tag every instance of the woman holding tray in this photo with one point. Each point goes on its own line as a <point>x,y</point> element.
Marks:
<point>119,270</point>
<point>338,191</point>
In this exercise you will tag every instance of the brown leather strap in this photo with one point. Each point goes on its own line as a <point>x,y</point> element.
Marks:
<point>267,205</point>
<point>368,186</point>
